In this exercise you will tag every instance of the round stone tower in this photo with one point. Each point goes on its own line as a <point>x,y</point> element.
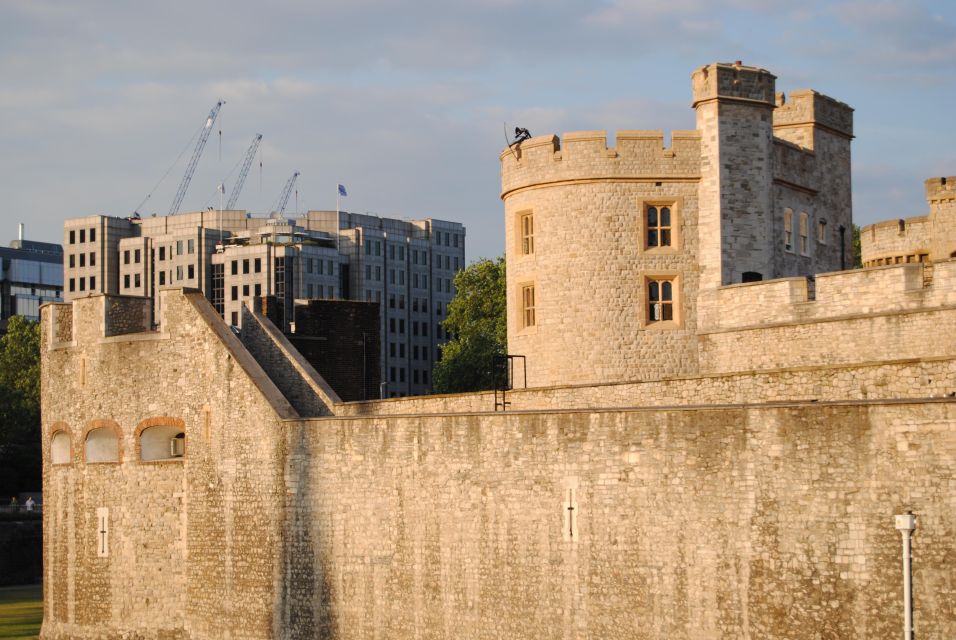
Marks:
<point>601,246</point>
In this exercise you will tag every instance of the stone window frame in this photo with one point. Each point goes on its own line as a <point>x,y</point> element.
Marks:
<point>675,204</point>
<point>524,233</point>
<point>159,421</point>
<point>520,293</point>
<point>676,321</point>
<point>55,429</point>
<point>104,424</point>
<point>788,230</point>
<point>821,231</point>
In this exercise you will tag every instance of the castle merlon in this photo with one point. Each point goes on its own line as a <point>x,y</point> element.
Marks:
<point>733,83</point>
<point>943,188</point>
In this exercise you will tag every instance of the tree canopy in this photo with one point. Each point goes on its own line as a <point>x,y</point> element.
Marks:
<point>20,458</point>
<point>477,320</point>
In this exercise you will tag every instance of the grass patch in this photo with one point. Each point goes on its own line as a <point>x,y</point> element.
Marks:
<point>21,611</point>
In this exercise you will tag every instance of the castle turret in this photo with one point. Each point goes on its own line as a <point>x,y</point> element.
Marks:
<point>601,243</point>
<point>941,196</point>
<point>734,105</point>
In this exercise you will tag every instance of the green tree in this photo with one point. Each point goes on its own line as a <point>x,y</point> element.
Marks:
<point>477,320</point>
<point>857,248</point>
<point>20,457</point>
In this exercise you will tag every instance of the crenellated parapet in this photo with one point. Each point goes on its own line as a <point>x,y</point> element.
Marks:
<point>887,313</point>
<point>585,155</point>
<point>806,107</point>
<point>831,296</point>
<point>928,238</point>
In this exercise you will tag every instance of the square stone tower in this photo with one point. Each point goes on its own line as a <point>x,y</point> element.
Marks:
<point>734,105</point>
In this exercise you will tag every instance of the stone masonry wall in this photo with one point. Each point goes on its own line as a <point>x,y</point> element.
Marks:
<point>190,540</point>
<point>742,522</point>
<point>127,314</point>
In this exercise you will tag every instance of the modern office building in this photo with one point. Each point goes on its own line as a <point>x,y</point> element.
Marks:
<point>407,266</point>
<point>31,273</point>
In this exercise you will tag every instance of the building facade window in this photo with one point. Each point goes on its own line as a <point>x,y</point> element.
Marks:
<point>658,226</point>
<point>822,231</point>
<point>788,230</point>
<point>660,300</point>
<point>804,234</point>
<point>528,318</point>
<point>527,234</point>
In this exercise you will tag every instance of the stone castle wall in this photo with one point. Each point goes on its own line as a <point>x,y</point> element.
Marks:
<point>190,540</point>
<point>772,522</point>
<point>712,517</point>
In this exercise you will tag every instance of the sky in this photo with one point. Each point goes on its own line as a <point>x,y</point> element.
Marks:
<point>405,103</point>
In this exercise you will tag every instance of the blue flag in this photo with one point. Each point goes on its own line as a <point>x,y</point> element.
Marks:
<point>342,190</point>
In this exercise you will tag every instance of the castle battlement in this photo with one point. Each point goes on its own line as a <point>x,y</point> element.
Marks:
<point>733,83</point>
<point>806,107</point>
<point>831,296</point>
<point>941,189</point>
<point>98,316</point>
<point>638,155</point>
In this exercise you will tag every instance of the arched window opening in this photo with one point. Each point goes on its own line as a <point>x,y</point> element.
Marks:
<point>162,443</point>
<point>751,276</point>
<point>60,448</point>
<point>102,445</point>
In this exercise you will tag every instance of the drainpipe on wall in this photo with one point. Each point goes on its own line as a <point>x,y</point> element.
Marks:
<point>906,524</point>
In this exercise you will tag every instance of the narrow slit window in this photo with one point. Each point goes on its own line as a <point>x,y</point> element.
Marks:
<point>527,306</point>
<point>527,234</point>
<point>804,234</point>
<point>788,230</point>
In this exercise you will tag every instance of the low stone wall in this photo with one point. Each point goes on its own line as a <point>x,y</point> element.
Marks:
<point>917,378</point>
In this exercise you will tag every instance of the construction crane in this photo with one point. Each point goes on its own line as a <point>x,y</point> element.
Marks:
<point>284,196</point>
<point>250,155</point>
<point>191,167</point>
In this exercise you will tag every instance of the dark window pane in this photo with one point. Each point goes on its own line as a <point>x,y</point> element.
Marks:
<point>653,292</point>
<point>665,237</point>
<point>652,216</point>
<point>665,216</point>
<point>668,312</point>
<point>666,290</point>
<point>652,238</point>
